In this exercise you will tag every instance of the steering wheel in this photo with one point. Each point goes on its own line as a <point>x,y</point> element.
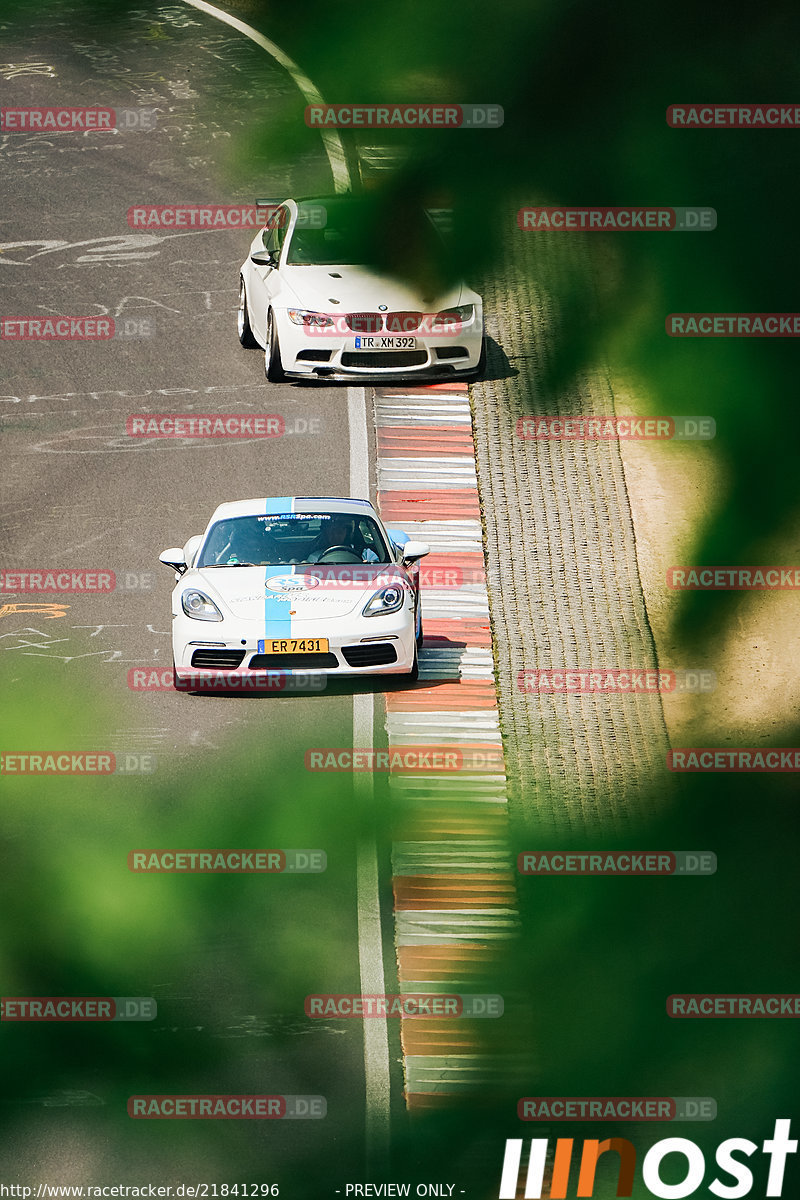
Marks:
<point>354,555</point>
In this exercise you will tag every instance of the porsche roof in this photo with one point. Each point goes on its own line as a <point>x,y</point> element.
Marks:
<point>276,505</point>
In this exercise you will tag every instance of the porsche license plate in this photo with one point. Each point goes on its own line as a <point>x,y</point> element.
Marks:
<point>293,646</point>
<point>388,342</point>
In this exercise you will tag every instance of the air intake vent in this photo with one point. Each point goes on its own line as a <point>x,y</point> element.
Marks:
<point>379,654</point>
<point>294,662</point>
<point>217,660</point>
<point>390,359</point>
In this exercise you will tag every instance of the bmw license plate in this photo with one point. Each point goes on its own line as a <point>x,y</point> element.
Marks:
<point>293,646</point>
<point>385,342</point>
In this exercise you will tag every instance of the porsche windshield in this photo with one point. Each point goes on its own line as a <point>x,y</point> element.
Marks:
<point>263,541</point>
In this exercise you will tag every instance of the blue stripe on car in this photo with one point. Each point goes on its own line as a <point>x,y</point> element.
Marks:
<point>277,622</point>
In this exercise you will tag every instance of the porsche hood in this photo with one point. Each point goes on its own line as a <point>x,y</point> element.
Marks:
<point>297,593</point>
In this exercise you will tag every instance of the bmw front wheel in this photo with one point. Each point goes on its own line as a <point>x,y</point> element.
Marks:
<point>243,320</point>
<point>273,368</point>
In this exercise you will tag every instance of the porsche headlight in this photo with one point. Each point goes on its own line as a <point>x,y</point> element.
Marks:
<point>198,605</point>
<point>388,600</point>
<point>300,316</point>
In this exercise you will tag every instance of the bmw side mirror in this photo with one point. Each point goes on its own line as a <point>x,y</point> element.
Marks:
<point>264,258</point>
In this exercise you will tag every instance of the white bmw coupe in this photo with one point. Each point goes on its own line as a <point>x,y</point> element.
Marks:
<point>295,584</point>
<point>311,295</point>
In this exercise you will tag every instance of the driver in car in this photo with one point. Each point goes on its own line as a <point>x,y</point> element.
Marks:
<point>250,543</point>
<point>339,532</point>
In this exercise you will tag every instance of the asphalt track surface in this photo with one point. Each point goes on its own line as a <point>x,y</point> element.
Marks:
<point>78,492</point>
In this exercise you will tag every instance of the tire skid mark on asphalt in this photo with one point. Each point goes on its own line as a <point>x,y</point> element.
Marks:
<point>454,883</point>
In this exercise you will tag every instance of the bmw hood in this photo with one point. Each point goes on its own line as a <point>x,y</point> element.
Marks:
<point>357,289</point>
<point>281,593</point>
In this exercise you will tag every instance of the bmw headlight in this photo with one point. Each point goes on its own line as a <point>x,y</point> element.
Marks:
<point>198,605</point>
<point>455,316</point>
<point>300,316</point>
<point>388,600</point>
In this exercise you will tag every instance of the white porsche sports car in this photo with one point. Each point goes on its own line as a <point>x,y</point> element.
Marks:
<point>309,299</point>
<point>295,584</point>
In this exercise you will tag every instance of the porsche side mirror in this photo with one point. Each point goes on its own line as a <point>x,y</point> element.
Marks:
<point>175,559</point>
<point>414,550</point>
